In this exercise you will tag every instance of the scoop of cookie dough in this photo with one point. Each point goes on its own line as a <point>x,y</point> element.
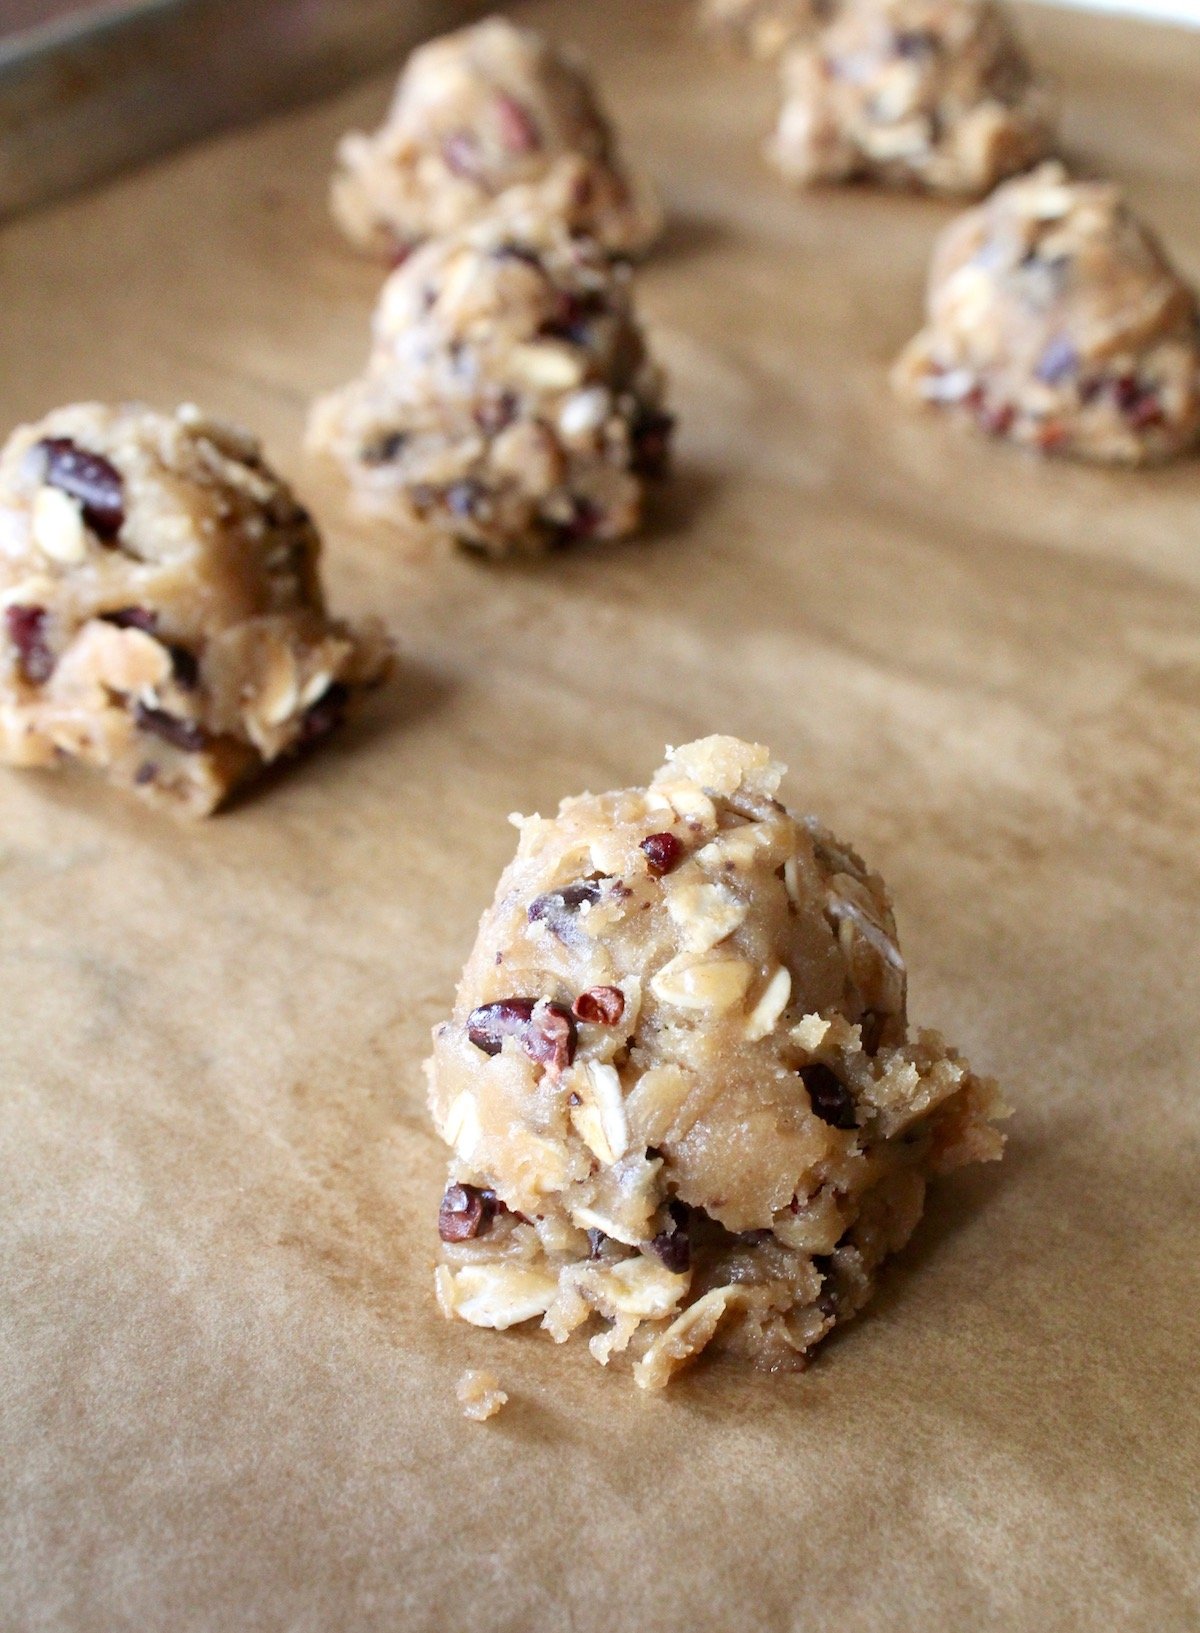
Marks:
<point>678,1080</point>
<point>162,613</point>
<point>1055,319</point>
<point>477,112</point>
<point>934,94</point>
<point>509,400</point>
<point>764,27</point>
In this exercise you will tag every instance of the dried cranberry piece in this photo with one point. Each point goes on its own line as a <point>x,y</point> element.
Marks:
<point>663,852</point>
<point>557,908</point>
<point>650,441</point>
<point>602,1006</point>
<point>518,132</point>
<point>26,628</point>
<point>187,735</point>
<point>829,1097</point>
<point>323,716</point>
<point>674,1245</point>
<point>89,478</point>
<point>460,154</point>
<point>462,1214</point>
<point>545,1031</point>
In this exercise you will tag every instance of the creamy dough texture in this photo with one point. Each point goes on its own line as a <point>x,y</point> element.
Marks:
<point>932,94</point>
<point>509,401</point>
<point>476,112</point>
<point>1055,319</point>
<point>765,28</point>
<point>162,611</point>
<point>678,1082</point>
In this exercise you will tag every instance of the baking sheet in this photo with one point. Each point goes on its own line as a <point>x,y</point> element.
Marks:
<point>226,1397</point>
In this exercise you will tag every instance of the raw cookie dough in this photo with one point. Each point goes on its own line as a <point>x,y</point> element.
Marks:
<point>934,94</point>
<point>509,401</point>
<point>162,616</point>
<point>764,27</point>
<point>477,112</point>
<point>1055,319</point>
<point>678,1081</point>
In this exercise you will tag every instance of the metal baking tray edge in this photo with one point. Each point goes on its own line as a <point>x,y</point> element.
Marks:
<point>86,97</point>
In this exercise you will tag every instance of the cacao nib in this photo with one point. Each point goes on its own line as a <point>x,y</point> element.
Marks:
<point>586,520</point>
<point>26,627</point>
<point>187,735</point>
<point>822,1263</point>
<point>871,1024</point>
<point>829,1097</point>
<point>1138,403</point>
<point>570,321</point>
<point>558,908</point>
<point>602,1006</point>
<point>662,852</point>
<point>324,716</point>
<point>916,43</point>
<point>674,1245</point>
<point>511,251</point>
<point>185,667</point>
<point>133,618</point>
<point>650,442</point>
<point>385,449</point>
<point>545,1031</point>
<point>462,498</point>
<point>495,414</point>
<point>463,1214</point>
<point>88,478</point>
<point>518,132</point>
<point>1058,362</point>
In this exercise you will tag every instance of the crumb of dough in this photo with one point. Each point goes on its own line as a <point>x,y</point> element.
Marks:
<point>480,1395</point>
<point>475,113</point>
<point>932,94</point>
<point>683,1099</point>
<point>509,402</point>
<point>161,612</point>
<point>1055,320</point>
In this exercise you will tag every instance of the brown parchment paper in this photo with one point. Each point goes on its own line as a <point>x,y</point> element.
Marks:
<point>226,1396</point>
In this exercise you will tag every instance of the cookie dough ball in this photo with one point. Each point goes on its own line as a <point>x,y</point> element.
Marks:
<point>162,612</point>
<point>1055,319</point>
<point>764,27</point>
<point>934,94</point>
<point>477,112</point>
<point>678,1081</point>
<point>509,401</point>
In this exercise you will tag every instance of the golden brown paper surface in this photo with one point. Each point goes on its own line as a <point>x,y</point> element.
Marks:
<point>226,1395</point>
